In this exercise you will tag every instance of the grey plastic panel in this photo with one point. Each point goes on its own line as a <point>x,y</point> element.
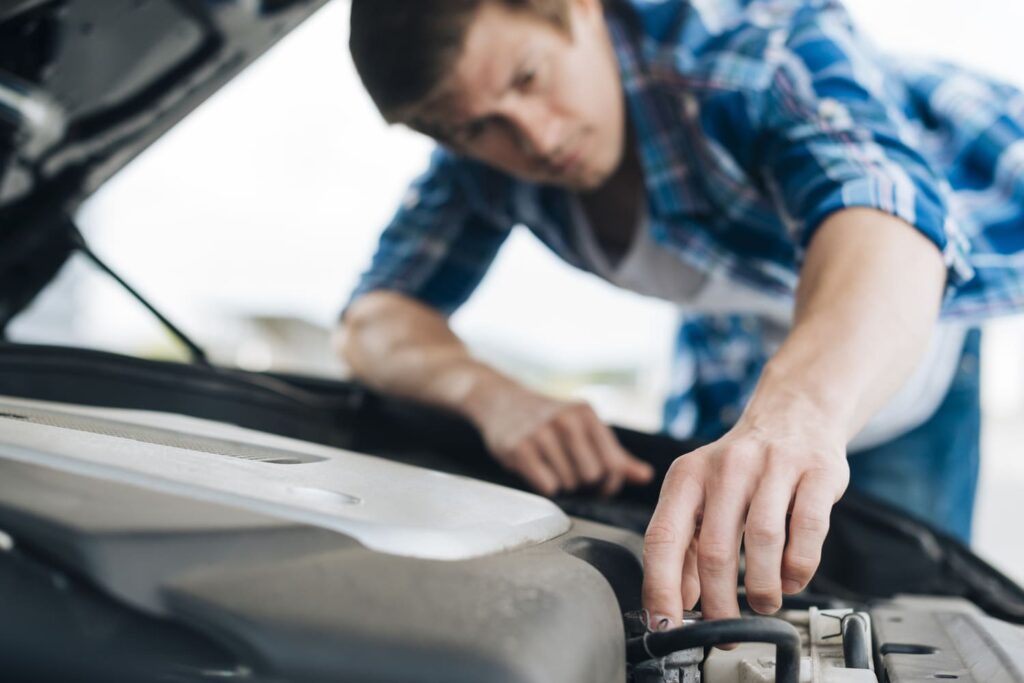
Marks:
<point>296,603</point>
<point>151,435</point>
<point>386,506</point>
<point>925,639</point>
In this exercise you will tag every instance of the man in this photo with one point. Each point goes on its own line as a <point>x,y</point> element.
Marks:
<point>745,157</point>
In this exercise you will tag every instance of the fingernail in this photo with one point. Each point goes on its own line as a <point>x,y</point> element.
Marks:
<point>765,607</point>
<point>661,623</point>
<point>790,586</point>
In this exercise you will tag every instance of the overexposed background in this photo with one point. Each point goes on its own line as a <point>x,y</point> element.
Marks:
<point>249,223</point>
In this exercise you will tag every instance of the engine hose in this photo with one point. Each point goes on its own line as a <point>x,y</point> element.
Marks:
<point>779,633</point>
<point>856,651</point>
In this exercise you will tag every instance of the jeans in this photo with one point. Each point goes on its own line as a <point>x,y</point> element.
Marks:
<point>932,471</point>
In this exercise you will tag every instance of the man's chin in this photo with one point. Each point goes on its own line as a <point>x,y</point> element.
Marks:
<point>587,184</point>
<point>583,182</point>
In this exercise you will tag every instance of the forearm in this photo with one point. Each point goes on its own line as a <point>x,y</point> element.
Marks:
<point>867,303</point>
<point>404,348</point>
<point>400,346</point>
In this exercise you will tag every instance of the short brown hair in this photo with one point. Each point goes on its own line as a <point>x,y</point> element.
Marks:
<point>403,49</point>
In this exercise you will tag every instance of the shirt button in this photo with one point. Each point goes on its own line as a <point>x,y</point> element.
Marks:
<point>691,107</point>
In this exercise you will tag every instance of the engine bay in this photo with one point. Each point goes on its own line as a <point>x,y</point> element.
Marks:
<point>152,524</point>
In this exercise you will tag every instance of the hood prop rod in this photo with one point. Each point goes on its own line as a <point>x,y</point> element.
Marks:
<point>195,352</point>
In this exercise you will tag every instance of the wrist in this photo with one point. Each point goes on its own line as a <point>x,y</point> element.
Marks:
<point>784,397</point>
<point>483,392</point>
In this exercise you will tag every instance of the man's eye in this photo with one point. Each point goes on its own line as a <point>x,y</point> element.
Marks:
<point>474,130</point>
<point>526,79</point>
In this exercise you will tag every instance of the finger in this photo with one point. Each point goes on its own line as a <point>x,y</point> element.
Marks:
<point>602,441</point>
<point>808,527</point>
<point>691,579</point>
<point>612,483</point>
<point>635,470</point>
<point>764,538</point>
<point>535,471</point>
<point>632,469</point>
<point>669,534</point>
<point>718,550</point>
<point>553,453</point>
<point>586,458</point>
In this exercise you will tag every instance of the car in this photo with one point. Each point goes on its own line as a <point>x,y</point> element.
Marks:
<point>168,521</point>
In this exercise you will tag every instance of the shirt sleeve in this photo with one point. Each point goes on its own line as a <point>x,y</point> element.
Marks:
<point>438,245</point>
<point>833,136</point>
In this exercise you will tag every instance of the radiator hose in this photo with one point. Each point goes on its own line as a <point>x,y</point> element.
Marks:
<point>781,634</point>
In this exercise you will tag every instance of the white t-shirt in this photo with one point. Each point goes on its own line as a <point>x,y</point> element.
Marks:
<point>655,270</point>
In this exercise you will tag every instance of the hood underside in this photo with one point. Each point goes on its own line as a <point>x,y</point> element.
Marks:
<point>86,86</point>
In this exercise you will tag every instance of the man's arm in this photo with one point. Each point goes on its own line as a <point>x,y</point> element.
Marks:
<point>867,303</point>
<point>403,347</point>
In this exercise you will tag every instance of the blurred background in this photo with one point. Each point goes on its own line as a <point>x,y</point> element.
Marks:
<point>249,223</point>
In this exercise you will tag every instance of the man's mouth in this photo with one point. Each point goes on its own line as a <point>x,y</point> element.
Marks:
<point>568,162</point>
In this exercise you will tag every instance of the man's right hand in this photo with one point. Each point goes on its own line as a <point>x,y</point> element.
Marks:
<point>556,446</point>
<point>401,346</point>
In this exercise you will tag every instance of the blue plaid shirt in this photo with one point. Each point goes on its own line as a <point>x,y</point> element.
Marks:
<point>755,120</point>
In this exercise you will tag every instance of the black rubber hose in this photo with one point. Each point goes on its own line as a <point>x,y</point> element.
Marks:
<point>856,653</point>
<point>779,633</point>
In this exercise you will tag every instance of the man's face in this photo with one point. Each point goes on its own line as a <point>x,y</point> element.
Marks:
<point>538,103</point>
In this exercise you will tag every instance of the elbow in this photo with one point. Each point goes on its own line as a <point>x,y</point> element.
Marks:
<point>343,345</point>
<point>349,338</point>
<point>373,328</point>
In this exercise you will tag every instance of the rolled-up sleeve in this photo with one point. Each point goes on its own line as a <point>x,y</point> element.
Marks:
<point>437,246</point>
<point>833,137</point>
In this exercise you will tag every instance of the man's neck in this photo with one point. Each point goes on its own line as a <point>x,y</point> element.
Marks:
<point>613,208</point>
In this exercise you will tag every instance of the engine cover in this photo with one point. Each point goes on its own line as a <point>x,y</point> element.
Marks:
<point>294,561</point>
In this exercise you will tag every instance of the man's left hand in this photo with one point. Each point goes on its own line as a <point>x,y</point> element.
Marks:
<point>742,488</point>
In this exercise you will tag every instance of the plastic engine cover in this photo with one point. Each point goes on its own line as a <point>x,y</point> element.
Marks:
<point>396,573</point>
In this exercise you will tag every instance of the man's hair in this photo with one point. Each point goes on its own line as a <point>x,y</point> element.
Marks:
<point>404,49</point>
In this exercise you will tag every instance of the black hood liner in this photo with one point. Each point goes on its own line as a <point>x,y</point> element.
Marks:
<point>873,550</point>
<point>251,400</point>
<point>32,254</point>
<point>6,149</point>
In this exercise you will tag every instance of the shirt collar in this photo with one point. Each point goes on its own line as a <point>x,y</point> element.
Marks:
<point>655,111</point>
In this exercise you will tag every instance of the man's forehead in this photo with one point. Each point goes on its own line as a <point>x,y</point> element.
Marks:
<point>439,115</point>
<point>494,43</point>
<point>450,103</point>
<point>478,78</point>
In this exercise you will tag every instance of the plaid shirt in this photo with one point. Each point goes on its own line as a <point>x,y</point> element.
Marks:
<point>754,120</point>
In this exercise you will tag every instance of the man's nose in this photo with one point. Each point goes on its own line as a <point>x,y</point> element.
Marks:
<point>539,132</point>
